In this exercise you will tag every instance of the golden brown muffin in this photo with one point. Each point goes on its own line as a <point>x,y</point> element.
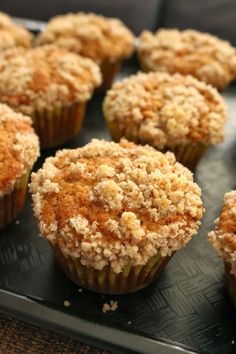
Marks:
<point>12,35</point>
<point>223,239</point>
<point>51,85</point>
<point>169,112</point>
<point>202,55</point>
<point>19,149</point>
<point>107,41</point>
<point>115,213</point>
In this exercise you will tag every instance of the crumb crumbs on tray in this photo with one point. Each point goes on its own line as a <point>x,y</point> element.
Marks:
<point>67,303</point>
<point>80,290</point>
<point>17,222</point>
<point>110,307</point>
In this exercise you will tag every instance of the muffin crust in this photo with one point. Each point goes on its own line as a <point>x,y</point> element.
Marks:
<point>202,55</point>
<point>90,35</point>
<point>12,35</point>
<point>19,147</point>
<point>223,238</point>
<point>45,77</point>
<point>165,110</point>
<point>115,204</point>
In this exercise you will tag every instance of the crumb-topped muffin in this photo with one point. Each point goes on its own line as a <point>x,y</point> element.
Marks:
<point>223,239</point>
<point>51,85</point>
<point>170,112</point>
<point>115,213</point>
<point>202,55</point>
<point>12,35</point>
<point>19,149</point>
<point>107,41</point>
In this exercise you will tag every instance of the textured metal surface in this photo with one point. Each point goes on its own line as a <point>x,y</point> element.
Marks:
<point>186,305</point>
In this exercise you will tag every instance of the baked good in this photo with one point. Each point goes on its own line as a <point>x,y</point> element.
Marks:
<point>114,214</point>
<point>202,55</point>
<point>12,35</point>
<point>107,41</point>
<point>52,86</point>
<point>169,112</point>
<point>223,239</point>
<point>19,149</point>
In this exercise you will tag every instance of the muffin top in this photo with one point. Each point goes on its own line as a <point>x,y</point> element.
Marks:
<point>90,35</point>
<point>45,77</point>
<point>116,204</point>
<point>223,238</point>
<point>164,110</point>
<point>12,35</point>
<point>19,147</point>
<point>202,55</point>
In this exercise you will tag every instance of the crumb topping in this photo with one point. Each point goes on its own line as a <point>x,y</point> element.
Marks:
<point>223,238</point>
<point>202,55</point>
<point>90,35</point>
<point>19,147</point>
<point>113,306</point>
<point>12,35</point>
<point>164,110</point>
<point>67,303</point>
<point>115,204</point>
<point>45,77</point>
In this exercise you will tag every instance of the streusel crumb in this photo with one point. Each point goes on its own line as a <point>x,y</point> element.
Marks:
<point>19,147</point>
<point>113,306</point>
<point>165,110</point>
<point>12,35</point>
<point>45,78</point>
<point>90,35</point>
<point>116,204</point>
<point>223,237</point>
<point>202,55</point>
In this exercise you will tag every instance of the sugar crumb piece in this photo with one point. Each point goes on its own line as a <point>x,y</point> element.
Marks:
<point>129,322</point>
<point>17,222</point>
<point>80,290</point>
<point>67,303</point>
<point>232,341</point>
<point>110,307</point>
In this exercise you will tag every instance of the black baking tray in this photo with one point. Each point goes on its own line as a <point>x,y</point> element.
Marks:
<point>186,310</point>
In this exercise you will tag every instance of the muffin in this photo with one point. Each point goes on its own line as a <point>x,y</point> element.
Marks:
<point>19,149</point>
<point>12,35</point>
<point>223,239</point>
<point>107,41</point>
<point>169,112</point>
<point>202,55</point>
<point>52,86</point>
<point>114,214</point>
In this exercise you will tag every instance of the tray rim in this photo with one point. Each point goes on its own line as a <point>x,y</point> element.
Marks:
<point>33,312</point>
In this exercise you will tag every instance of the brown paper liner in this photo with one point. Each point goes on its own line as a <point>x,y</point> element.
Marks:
<point>11,203</point>
<point>59,125</point>
<point>187,154</point>
<point>109,71</point>
<point>230,283</point>
<point>106,281</point>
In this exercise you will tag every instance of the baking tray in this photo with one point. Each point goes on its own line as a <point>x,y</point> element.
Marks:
<point>186,310</point>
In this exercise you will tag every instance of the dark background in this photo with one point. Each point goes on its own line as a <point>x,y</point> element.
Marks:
<point>214,16</point>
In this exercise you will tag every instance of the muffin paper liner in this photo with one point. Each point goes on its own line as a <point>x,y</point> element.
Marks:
<point>230,283</point>
<point>106,281</point>
<point>11,203</point>
<point>55,127</point>
<point>187,154</point>
<point>109,71</point>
